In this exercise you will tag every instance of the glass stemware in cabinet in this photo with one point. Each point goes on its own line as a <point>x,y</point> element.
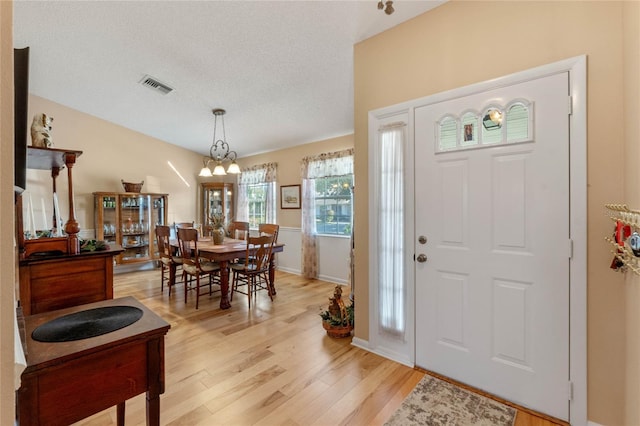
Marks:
<point>128,220</point>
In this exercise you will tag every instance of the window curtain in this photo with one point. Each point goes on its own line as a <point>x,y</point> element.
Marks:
<point>259,174</point>
<point>317,166</point>
<point>391,252</point>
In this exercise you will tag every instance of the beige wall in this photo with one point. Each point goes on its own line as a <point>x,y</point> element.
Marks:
<point>631,25</point>
<point>111,153</point>
<point>7,258</point>
<point>289,163</point>
<point>461,43</point>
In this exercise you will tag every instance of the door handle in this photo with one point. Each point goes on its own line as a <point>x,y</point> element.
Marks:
<point>422,258</point>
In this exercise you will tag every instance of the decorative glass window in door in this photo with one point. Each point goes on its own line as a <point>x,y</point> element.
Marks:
<point>495,124</point>
<point>447,133</point>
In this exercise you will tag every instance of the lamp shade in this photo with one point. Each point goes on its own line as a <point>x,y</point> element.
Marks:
<point>205,172</point>
<point>219,170</point>
<point>233,168</point>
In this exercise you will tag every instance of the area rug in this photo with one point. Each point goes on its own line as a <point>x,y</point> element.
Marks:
<point>435,402</point>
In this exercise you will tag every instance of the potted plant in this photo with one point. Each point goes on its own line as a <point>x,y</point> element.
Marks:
<point>217,226</point>
<point>338,318</point>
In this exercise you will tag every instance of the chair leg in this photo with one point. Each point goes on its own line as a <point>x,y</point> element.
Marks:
<point>234,285</point>
<point>186,284</point>
<point>170,279</point>
<point>197,290</point>
<point>266,281</point>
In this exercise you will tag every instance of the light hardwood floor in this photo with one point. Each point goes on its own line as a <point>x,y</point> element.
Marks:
<point>272,365</point>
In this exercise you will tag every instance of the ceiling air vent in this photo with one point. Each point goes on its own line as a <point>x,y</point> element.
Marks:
<point>154,84</point>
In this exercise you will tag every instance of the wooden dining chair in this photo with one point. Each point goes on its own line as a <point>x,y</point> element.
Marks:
<point>177,225</point>
<point>238,230</point>
<point>193,265</point>
<point>269,228</point>
<point>168,259</point>
<point>254,272</point>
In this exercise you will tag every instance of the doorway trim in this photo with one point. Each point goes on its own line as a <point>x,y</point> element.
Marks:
<point>405,352</point>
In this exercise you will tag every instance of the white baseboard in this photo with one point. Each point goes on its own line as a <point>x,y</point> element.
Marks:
<point>333,279</point>
<point>393,356</point>
<point>359,343</point>
<point>590,423</point>
<point>289,270</point>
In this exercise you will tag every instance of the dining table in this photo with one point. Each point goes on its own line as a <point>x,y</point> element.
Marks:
<point>230,250</point>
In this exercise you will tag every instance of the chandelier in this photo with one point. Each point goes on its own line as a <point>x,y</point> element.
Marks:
<point>219,151</point>
<point>388,9</point>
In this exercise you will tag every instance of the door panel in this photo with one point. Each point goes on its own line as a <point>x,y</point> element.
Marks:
<point>492,304</point>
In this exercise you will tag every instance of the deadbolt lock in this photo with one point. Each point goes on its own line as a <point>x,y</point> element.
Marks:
<point>422,239</point>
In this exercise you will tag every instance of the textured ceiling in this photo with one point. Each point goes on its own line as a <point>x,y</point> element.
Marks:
<point>283,70</point>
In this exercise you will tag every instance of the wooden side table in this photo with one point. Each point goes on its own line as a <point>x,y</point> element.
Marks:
<point>65,382</point>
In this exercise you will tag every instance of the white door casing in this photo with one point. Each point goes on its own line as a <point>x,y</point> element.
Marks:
<point>494,293</point>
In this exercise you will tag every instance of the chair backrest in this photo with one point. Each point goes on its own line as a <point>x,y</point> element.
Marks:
<point>270,229</point>
<point>188,244</point>
<point>259,252</point>
<point>163,234</point>
<point>177,225</point>
<point>238,230</point>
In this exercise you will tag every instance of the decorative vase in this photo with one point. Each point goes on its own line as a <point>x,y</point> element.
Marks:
<point>218,235</point>
<point>337,331</point>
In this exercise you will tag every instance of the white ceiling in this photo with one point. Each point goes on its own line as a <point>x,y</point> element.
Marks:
<point>283,70</point>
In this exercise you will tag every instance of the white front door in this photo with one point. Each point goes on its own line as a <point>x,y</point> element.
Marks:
<point>492,298</point>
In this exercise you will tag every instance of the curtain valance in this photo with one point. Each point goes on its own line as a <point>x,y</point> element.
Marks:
<point>337,163</point>
<point>260,173</point>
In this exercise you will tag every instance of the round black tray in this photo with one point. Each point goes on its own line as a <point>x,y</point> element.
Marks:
<point>86,324</point>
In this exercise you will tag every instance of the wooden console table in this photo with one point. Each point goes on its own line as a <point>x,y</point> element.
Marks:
<point>66,382</point>
<point>55,282</point>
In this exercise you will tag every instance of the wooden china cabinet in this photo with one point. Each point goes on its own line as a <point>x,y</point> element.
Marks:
<point>129,220</point>
<point>217,198</point>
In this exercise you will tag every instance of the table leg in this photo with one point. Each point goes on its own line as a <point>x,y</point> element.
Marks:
<point>153,409</point>
<point>155,378</point>
<point>224,285</point>
<point>120,414</point>
<point>272,274</point>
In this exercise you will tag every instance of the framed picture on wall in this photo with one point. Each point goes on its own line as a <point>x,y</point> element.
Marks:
<point>290,197</point>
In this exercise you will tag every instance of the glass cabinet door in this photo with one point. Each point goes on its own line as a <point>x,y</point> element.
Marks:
<point>217,198</point>
<point>135,215</point>
<point>228,202</point>
<point>158,214</point>
<point>216,202</point>
<point>107,207</point>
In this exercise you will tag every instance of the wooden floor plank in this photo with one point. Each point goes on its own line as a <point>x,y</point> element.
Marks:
<point>271,365</point>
